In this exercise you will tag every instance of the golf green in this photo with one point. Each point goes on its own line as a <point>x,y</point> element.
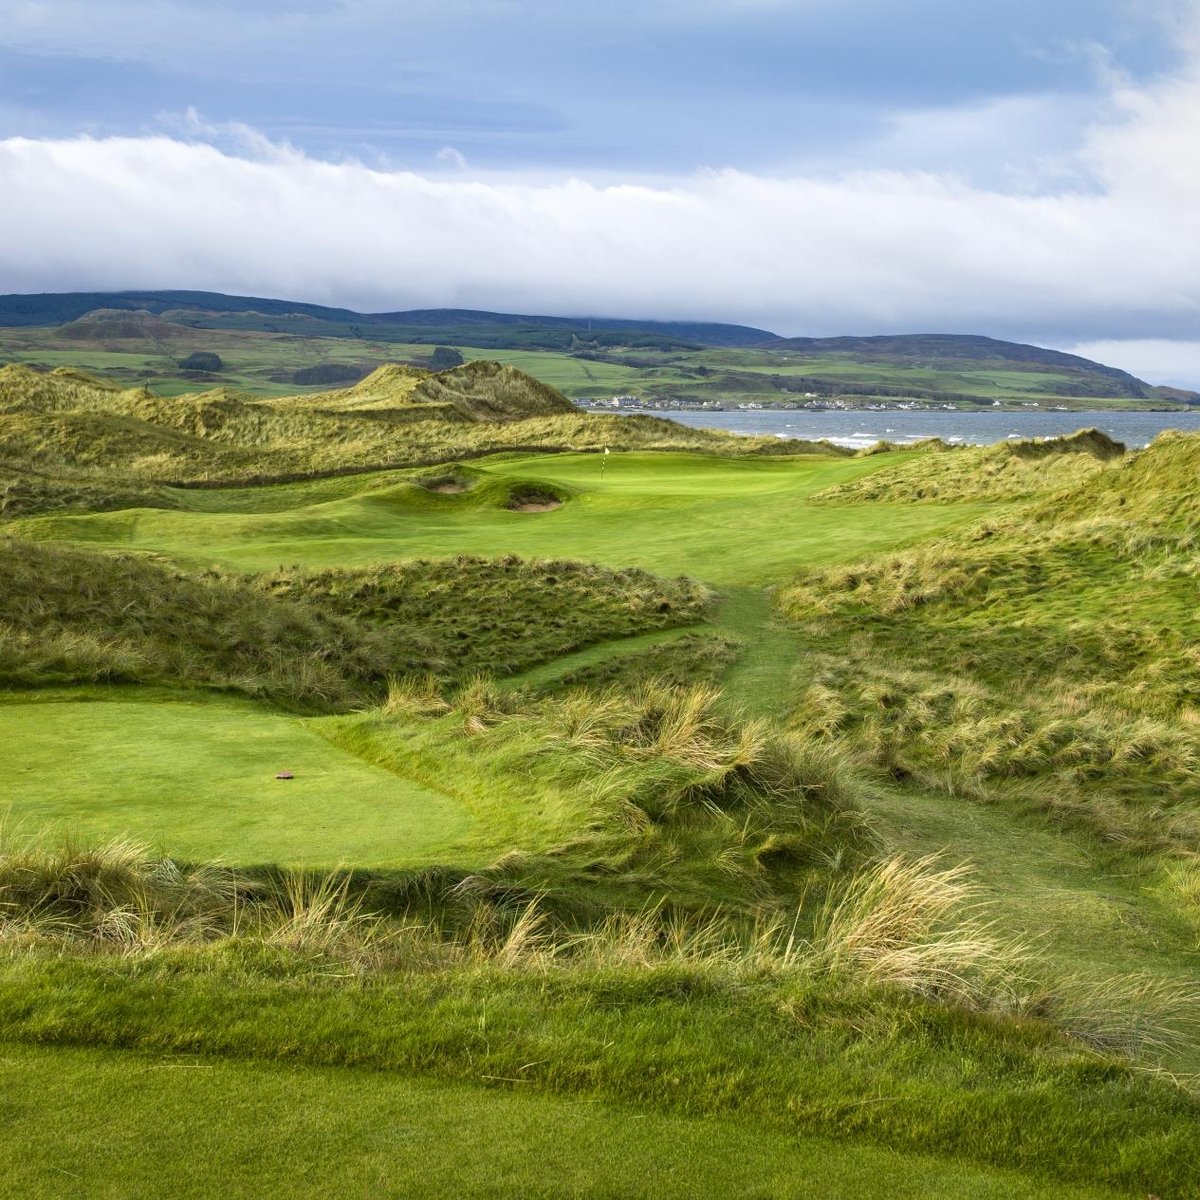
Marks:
<point>198,780</point>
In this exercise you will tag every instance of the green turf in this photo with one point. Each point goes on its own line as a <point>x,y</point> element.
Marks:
<point>720,520</point>
<point>122,1126</point>
<point>198,780</point>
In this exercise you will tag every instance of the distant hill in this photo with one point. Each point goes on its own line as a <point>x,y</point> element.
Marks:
<point>949,349</point>
<point>459,326</point>
<point>138,337</point>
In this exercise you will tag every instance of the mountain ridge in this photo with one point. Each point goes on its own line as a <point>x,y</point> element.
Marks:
<point>56,308</point>
<point>932,366</point>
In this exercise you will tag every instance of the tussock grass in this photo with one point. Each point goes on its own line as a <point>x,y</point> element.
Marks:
<point>919,927</point>
<point>618,798</point>
<point>895,925</point>
<point>115,894</point>
<point>498,615</point>
<point>880,978</point>
<point>71,615</point>
<point>675,748</point>
<point>1049,653</point>
<point>1012,470</point>
<point>325,639</point>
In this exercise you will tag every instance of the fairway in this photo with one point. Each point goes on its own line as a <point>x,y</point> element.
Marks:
<point>198,781</point>
<point>724,521</point>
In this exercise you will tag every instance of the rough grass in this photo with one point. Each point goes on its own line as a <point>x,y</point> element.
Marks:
<point>626,798</point>
<point>1053,644</point>
<point>72,616</point>
<point>889,1012</point>
<point>321,639</point>
<point>689,659</point>
<point>1012,470</point>
<point>889,926</point>
<point>498,615</point>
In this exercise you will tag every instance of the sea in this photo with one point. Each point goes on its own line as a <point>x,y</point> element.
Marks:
<point>860,429</point>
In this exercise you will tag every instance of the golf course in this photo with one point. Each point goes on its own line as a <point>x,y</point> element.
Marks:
<point>425,788</point>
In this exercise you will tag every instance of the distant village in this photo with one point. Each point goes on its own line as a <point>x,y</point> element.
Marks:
<point>807,400</point>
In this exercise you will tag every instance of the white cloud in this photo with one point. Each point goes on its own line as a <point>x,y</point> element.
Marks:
<point>1024,142</point>
<point>452,157</point>
<point>1156,360</point>
<point>859,252</point>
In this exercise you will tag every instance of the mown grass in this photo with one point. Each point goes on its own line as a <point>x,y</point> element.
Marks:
<point>122,1126</point>
<point>198,779</point>
<point>729,522</point>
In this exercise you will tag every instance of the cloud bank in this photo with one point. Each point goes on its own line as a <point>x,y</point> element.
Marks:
<point>1113,254</point>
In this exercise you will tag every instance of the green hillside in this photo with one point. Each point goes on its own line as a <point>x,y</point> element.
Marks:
<point>125,311</point>
<point>277,347</point>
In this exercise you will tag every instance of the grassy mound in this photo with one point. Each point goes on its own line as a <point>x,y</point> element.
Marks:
<point>1010,470</point>
<point>24,390</point>
<point>76,616</point>
<point>68,437</point>
<point>327,638</point>
<point>625,797</point>
<point>488,391</point>
<point>497,615</point>
<point>1054,644</point>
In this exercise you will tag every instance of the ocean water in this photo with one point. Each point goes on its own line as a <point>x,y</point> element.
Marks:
<point>860,429</point>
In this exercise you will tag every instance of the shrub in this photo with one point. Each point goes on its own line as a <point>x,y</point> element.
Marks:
<point>202,360</point>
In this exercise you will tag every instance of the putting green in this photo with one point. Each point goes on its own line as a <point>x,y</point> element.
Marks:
<point>197,780</point>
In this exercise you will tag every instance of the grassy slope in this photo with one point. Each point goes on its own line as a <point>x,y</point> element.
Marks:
<point>1035,685</point>
<point>1055,645</point>
<point>323,640</point>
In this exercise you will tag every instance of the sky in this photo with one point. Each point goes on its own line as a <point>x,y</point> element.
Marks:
<point>1020,169</point>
